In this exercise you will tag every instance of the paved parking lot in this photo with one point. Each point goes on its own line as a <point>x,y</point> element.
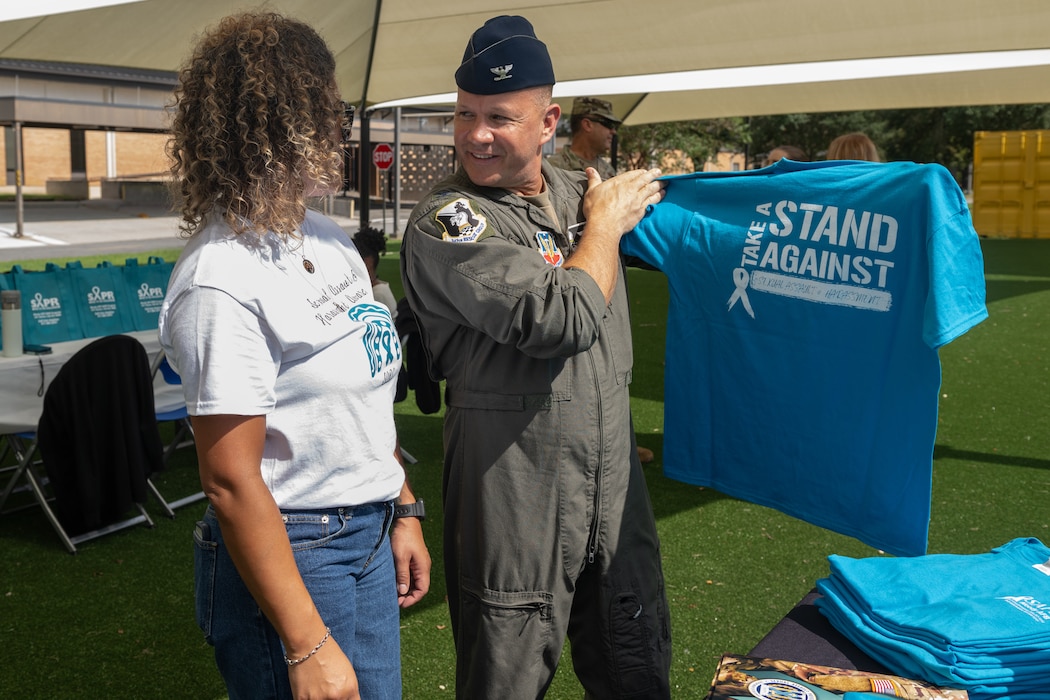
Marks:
<point>100,227</point>
<point>63,229</point>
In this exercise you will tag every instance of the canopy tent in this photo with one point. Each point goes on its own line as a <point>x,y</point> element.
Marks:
<point>658,61</point>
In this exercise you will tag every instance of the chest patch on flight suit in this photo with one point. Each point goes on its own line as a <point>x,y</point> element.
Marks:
<point>459,221</point>
<point>549,248</point>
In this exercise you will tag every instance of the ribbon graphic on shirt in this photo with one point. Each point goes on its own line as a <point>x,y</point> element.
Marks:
<point>740,279</point>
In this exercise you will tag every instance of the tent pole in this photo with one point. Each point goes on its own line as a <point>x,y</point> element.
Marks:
<point>365,181</point>
<point>19,200</point>
<point>396,172</point>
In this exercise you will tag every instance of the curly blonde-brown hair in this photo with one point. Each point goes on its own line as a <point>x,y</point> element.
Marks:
<point>256,114</point>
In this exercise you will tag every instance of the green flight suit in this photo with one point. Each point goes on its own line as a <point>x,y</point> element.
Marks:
<point>548,526</point>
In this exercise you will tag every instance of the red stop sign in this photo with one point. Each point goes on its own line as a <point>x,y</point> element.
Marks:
<point>383,156</point>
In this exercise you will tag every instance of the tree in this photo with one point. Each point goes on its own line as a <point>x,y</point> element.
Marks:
<point>812,132</point>
<point>946,135</point>
<point>678,146</point>
<point>942,135</point>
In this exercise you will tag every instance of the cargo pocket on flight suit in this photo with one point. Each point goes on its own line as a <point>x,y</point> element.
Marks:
<point>632,651</point>
<point>204,563</point>
<point>505,631</point>
<point>621,350</point>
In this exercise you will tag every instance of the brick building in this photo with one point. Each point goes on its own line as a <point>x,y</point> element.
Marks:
<point>84,129</point>
<point>80,125</point>
<point>96,131</point>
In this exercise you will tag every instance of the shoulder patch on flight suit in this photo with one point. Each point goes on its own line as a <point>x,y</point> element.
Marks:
<point>549,248</point>
<point>460,221</point>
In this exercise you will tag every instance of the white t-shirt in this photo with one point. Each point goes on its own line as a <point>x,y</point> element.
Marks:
<point>252,332</point>
<point>385,296</point>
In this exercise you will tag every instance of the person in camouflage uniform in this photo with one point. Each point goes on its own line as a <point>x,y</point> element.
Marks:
<point>593,126</point>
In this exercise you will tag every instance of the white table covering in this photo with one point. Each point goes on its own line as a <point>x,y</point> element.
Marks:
<point>21,398</point>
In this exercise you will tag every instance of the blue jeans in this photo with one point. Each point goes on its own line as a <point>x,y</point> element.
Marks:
<point>344,556</point>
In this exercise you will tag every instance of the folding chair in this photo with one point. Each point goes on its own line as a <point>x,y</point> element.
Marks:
<point>9,445</point>
<point>174,412</point>
<point>16,445</point>
<point>97,441</point>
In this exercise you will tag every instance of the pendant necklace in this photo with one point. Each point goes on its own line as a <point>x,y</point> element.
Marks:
<point>301,249</point>
<point>308,265</point>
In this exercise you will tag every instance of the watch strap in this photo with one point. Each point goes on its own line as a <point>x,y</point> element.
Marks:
<point>411,510</point>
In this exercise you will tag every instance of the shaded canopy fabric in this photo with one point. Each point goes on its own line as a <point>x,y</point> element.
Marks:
<point>705,58</point>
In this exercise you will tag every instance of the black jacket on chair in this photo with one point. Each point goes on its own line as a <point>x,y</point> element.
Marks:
<point>98,433</point>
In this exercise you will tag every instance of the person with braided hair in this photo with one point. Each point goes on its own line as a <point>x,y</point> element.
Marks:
<point>371,243</point>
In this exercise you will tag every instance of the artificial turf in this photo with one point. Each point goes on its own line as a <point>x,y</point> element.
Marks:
<point>116,620</point>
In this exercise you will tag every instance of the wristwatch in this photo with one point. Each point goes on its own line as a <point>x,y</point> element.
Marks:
<point>411,510</point>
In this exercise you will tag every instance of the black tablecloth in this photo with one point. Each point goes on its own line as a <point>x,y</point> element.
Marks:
<point>806,636</point>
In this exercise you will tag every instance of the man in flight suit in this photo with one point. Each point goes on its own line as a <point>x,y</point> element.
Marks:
<point>548,526</point>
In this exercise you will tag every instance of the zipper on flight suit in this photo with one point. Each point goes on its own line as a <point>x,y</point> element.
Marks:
<point>570,238</point>
<point>592,539</point>
<point>570,233</point>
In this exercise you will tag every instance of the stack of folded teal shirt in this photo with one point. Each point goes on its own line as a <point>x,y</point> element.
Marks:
<point>979,622</point>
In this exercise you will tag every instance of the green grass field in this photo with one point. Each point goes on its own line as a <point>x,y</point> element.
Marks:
<point>116,620</point>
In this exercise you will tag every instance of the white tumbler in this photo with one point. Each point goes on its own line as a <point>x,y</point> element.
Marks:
<point>11,321</point>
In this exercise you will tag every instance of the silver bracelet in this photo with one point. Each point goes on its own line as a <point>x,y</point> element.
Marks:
<point>296,662</point>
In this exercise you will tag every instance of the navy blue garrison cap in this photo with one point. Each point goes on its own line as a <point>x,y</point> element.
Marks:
<point>504,56</point>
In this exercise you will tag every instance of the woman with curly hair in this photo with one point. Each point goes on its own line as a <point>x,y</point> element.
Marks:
<point>311,539</point>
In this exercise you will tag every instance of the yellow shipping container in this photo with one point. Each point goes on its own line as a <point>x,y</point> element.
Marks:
<point>1011,184</point>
